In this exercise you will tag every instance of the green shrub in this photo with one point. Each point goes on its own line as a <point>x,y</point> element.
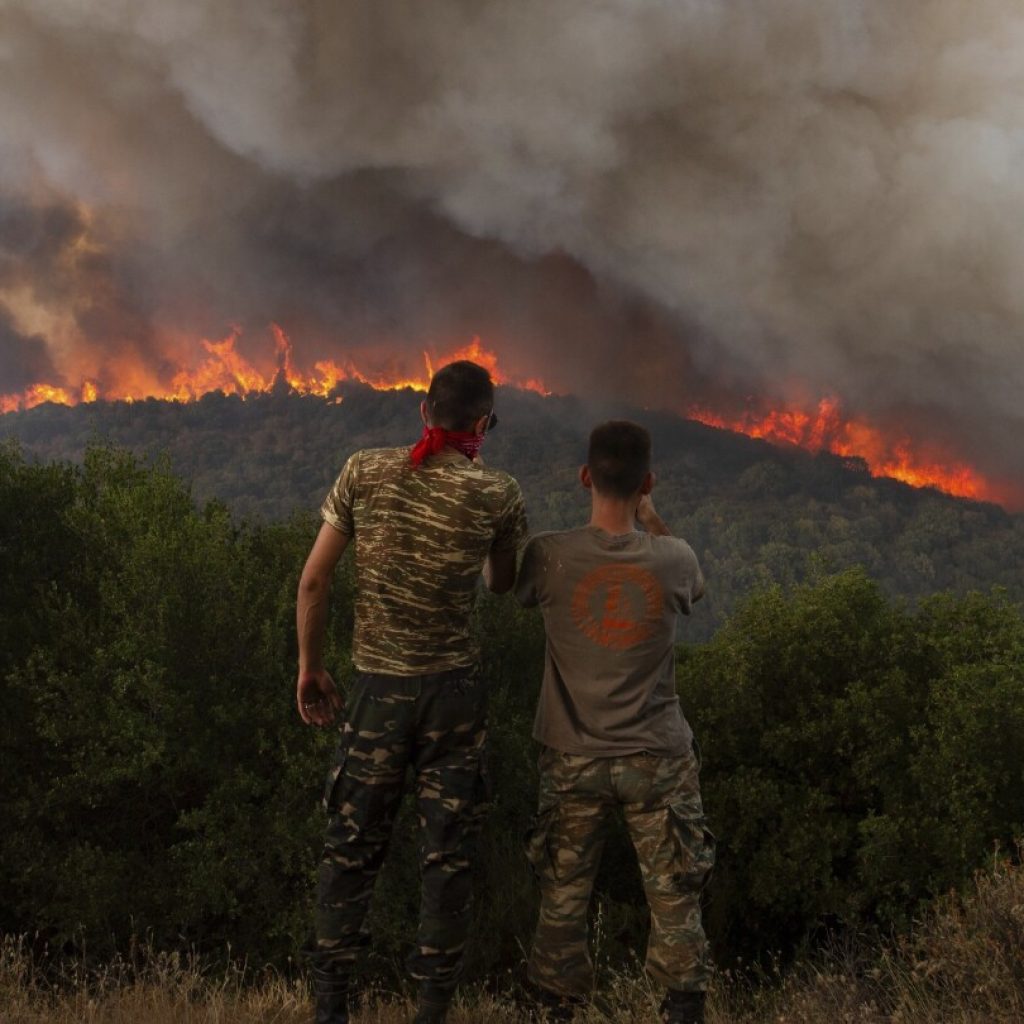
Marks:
<point>860,756</point>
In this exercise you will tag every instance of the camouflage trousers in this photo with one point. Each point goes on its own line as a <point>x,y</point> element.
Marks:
<point>437,725</point>
<point>660,799</point>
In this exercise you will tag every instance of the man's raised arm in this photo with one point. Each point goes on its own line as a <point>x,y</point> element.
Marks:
<point>500,571</point>
<point>500,566</point>
<point>648,518</point>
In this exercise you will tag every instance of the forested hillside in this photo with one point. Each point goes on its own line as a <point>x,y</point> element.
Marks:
<point>753,512</point>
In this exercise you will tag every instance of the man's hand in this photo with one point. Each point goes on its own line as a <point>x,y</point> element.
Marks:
<point>317,697</point>
<point>649,519</point>
<point>645,509</point>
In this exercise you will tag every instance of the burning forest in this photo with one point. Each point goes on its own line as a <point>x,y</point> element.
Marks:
<point>225,369</point>
<point>798,223</point>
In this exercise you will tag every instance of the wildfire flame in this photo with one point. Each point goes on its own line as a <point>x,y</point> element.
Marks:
<point>826,429</point>
<point>224,368</point>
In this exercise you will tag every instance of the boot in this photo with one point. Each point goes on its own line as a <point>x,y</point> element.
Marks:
<point>427,1013</point>
<point>432,1005</point>
<point>331,991</point>
<point>682,1007</point>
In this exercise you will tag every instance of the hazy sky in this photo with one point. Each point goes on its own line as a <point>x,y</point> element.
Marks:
<point>685,200</point>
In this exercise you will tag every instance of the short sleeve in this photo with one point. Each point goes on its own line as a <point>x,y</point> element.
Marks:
<point>690,587</point>
<point>337,506</point>
<point>528,576</point>
<point>512,529</point>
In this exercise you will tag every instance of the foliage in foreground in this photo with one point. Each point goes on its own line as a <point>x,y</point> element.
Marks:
<point>964,961</point>
<point>859,757</point>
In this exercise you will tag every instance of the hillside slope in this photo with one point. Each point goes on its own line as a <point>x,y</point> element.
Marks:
<point>752,511</point>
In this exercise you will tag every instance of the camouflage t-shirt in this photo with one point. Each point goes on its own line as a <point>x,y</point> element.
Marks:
<point>421,538</point>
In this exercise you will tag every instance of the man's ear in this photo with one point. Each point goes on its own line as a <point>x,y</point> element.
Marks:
<point>480,427</point>
<point>425,413</point>
<point>585,477</point>
<point>648,485</point>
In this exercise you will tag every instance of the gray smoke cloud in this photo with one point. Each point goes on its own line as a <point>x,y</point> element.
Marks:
<point>679,200</point>
<point>24,360</point>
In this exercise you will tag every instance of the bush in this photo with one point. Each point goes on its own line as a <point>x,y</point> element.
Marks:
<point>157,787</point>
<point>860,756</point>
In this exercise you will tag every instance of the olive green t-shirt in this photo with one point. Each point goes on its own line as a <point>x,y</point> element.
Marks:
<point>611,606</point>
<point>422,535</point>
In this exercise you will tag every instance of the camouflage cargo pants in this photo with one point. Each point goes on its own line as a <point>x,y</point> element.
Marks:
<point>660,799</point>
<point>437,725</point>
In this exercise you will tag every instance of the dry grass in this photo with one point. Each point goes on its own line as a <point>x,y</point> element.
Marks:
<point>170,989</point>
<point>963,965</point>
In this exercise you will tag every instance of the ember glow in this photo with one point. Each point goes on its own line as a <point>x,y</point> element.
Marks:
<point>223,367</point>
<point>826,429</point>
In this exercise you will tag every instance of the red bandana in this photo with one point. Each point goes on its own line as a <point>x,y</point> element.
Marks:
<point>435,439</point>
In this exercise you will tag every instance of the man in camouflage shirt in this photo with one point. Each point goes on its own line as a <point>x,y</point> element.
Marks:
<point>613,733</point>
<point>425,521</point>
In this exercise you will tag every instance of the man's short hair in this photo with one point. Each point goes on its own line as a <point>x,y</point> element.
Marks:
<point>460,393</point>
<point>619,458</point>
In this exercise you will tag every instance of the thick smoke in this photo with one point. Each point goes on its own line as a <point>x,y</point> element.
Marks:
<point>683,200</point>
<point>24,360</point>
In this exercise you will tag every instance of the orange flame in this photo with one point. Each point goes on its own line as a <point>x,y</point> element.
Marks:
<point>37,394</point>
<point>227,370</point>
<point>224,368</point>
<point>826,430</point>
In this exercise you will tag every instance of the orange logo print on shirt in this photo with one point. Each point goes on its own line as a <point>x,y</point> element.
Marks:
<point>618,606</point>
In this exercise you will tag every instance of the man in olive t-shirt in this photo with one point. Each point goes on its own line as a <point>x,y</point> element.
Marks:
<point>425,521</point>
<point>612,730</point>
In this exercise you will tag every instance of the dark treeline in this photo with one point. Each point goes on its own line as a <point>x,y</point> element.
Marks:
<point>860,754</point>
<point>755,513</point>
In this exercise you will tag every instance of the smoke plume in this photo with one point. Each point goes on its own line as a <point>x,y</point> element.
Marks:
<point>681,200</point>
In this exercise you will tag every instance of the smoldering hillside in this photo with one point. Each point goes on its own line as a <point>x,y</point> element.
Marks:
<point>676,201</point>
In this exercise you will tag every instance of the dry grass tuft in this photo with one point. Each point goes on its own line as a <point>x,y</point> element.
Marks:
<point>154,987</point>
<point>964,964</point>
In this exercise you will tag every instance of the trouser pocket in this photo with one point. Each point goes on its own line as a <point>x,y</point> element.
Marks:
<point>537,842</point>
<point>695,849</point>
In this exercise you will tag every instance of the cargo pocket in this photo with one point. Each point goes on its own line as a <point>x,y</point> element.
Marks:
<point>538,846</point>
<point>695,849</point>
<point>481,795</point>
<point>334,775</point>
